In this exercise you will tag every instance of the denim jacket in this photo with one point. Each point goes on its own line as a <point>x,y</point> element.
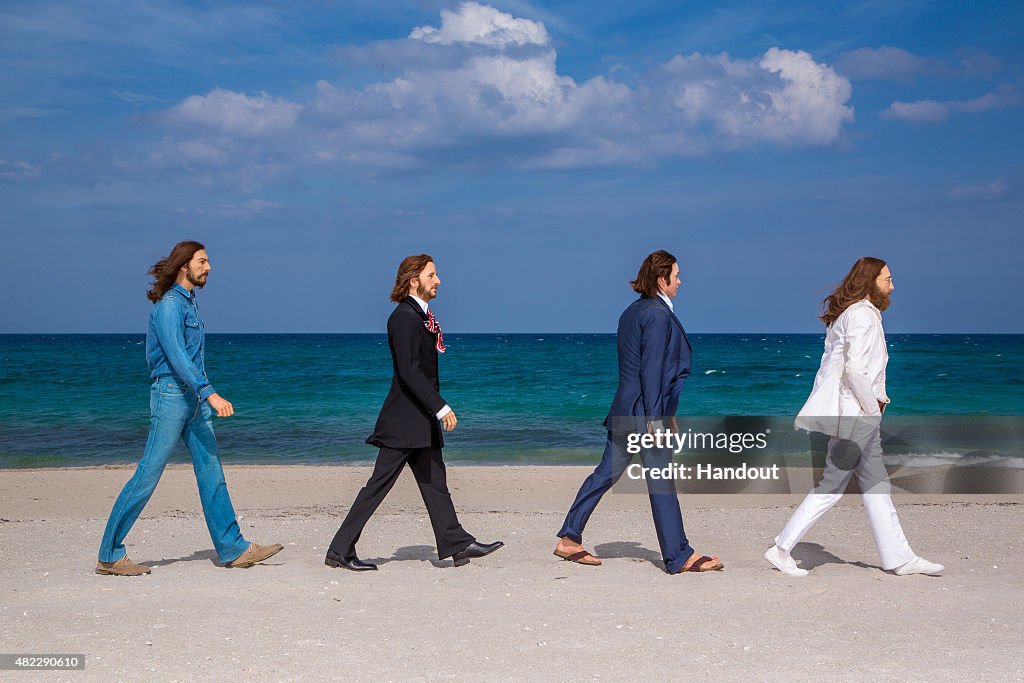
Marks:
<point>175,341</point>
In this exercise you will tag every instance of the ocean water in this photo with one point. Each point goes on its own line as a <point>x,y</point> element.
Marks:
<point>520,398</point>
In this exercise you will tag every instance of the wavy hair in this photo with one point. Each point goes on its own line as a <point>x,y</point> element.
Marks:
<point>657,265</point>
<point>859,283</point>
<point>410,267</point>
<point>165,271</point>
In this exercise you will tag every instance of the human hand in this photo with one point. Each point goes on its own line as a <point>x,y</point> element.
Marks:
<point>223,408</point>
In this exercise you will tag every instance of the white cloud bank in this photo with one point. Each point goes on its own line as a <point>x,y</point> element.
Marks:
<point>482,25</point>
<point>987,191</point>
<point>237,114</point>
<point>931,111</point>
<point>483,89</point>
<point>887,63</point>
<point>19,170</point>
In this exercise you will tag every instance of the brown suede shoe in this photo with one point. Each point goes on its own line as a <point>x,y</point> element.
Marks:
<point>123,567</point>
<point>255,553</point>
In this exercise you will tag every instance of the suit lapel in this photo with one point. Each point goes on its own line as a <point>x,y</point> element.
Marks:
<point>429,338</point>
<point>415,306</point>
<point>676,321</point>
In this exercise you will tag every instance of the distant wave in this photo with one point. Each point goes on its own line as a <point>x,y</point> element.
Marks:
<point>955,459</point>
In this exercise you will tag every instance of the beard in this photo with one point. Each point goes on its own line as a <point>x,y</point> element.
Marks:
<point>423,292</point>
<point>196,280</point>
<point>880,300</point>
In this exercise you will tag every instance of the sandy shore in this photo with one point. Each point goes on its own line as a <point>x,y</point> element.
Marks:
<point>519,614</point>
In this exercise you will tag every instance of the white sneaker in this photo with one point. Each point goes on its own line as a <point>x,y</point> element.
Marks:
<point>919,565</point>
<point>784,564</point>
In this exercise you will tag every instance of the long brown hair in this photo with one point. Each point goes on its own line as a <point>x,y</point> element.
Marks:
<point>410,267</point>
<point>657,265</point>
<point>858,284</point>
<point>165,271</point>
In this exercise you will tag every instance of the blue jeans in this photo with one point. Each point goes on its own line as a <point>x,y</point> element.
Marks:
<point>177,413</point>
<point>668,519</point>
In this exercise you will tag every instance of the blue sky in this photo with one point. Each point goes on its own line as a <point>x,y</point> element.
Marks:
<point>537,151</point>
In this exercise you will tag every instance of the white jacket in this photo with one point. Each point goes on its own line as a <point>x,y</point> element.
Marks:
<point>851,379</point>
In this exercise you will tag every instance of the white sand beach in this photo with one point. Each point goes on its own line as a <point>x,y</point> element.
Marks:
<point>519,614</point>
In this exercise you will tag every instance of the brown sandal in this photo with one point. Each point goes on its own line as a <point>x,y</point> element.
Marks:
<point>577,557</point>
<point>700,565</point>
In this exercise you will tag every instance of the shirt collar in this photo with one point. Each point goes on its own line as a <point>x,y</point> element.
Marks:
<point>191,295</point>
<point>421,302</point>
<point>667,301</point>
<point>867,300</point>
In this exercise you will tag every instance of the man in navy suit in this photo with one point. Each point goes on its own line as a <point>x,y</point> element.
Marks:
<point>654,361</point>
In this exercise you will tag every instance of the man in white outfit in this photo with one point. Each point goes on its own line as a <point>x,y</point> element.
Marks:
<point>847,402</point>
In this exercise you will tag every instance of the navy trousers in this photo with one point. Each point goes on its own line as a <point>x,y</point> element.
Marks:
<point>668,520</point>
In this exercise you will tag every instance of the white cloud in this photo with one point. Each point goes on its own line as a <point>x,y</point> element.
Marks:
<point>987,191</point>
<point>247,209</point>
<point>19,170</point>
<point>482,25</point>
<point>136,99</point>
<point>1006,96</point>
<point>809,107</point>
<point>236,113</point>
<point>785,97</point>
<point>261,205</point>
<point>890,63</point>
<point>202,152</point>
<point>923,111</point>
<point>212,160</point>
<point>978,63</point>
<point>483,88</point>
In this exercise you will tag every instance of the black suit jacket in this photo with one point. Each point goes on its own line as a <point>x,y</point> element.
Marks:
<point>408,417</point>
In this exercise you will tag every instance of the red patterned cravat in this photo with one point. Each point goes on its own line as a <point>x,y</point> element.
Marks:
<point>434,328</point>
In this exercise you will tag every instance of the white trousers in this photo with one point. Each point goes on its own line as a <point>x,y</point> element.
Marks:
<point>842,462</point>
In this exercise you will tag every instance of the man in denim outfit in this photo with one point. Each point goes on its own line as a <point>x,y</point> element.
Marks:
<point>181,403</point>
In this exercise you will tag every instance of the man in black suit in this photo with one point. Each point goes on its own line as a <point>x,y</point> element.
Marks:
<point>408,428</point>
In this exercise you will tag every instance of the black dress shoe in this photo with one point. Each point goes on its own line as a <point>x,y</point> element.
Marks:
<point>474,550</point>
<point>355,564</point>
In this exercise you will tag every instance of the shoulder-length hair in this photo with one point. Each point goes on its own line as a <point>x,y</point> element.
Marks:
<point>859,283</point>
<point>165,271</point>
<point>656,265</point>
<point>410,267</point>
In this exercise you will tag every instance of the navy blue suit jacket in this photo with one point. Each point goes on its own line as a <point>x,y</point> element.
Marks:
<point>654,361</point>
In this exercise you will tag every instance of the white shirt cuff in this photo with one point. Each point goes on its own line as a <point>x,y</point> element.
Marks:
<point>444,411</point>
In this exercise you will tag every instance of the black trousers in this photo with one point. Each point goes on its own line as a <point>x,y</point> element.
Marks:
<point>428,468</point>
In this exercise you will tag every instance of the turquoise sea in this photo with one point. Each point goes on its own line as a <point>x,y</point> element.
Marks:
<point>520,398</point>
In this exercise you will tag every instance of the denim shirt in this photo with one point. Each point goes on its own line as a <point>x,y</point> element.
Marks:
<point>175,341</point>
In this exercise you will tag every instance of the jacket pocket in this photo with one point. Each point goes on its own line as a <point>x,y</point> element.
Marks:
<point>193,333</point>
